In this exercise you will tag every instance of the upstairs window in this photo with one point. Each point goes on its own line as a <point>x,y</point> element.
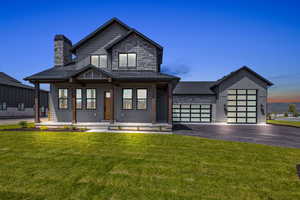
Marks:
<point>91,99</point>
<point>141,99</point>
<point>63,98</point>
<point>3,106</point>
<point>127,60</point>
<point>99,61</point>
<point>127,99</point>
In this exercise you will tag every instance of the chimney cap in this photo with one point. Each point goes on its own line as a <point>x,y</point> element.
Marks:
<point>60,37</point>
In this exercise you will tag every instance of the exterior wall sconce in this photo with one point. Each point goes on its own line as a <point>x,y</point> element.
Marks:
<point>262,109</point>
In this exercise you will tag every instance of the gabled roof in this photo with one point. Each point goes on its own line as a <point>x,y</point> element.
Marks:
<point>98,30</point>
<point>10,81</point>
<point>7,77</point>
<point>218,82</point>
<point>194,88</point>
<point>133,31</point>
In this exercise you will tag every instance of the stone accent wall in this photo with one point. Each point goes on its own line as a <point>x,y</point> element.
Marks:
<point>62,53</point>
<point>146,53</point>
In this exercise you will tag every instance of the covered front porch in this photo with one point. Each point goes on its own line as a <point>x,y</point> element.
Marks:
<point>109,112</point>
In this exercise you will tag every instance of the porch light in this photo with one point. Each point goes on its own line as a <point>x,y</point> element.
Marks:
<point>225,109</point>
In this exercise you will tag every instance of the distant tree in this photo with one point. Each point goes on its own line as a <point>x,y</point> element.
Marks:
<point>286,114</point>
<point>292,109</point>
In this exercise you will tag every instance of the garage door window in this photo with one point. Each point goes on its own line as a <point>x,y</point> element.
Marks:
<point>192,113</point>
<point>242,106</point>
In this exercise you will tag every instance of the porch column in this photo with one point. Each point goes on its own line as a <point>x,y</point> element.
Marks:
<point>37,103</point>
<point>170,103</point>
<point>112,105</point>
<point>154,96</point>
<point>74,110</point>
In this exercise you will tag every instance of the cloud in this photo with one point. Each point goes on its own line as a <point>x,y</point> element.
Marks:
<point>176,69</point>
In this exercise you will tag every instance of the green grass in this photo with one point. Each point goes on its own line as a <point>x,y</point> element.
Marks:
<point>282,122</point>
<point>61,165</point>
<point>14,126</point>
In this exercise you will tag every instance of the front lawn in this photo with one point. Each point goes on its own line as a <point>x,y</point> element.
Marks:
<point>14,126</point>
<point>283,122</point>
<point>61,165</point>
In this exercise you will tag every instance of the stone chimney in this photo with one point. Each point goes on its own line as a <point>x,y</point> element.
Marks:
<point>62,50</point>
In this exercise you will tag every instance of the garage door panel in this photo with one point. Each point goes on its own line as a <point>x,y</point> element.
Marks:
<point>242,106</point>
<point>194,113</point>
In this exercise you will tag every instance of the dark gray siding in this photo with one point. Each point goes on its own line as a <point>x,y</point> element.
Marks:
<point>146,53</point>
<point>98,114</point>
<point>96,45</point>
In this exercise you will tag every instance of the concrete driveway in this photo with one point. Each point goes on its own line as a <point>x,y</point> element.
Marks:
<point>260,134</point>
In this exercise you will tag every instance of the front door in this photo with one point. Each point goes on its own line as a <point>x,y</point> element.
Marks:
<point>107,106</point>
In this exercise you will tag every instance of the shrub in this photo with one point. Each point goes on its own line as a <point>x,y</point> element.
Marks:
<point>23,124</point>
<point>67,127</point>
<point>43,128</point>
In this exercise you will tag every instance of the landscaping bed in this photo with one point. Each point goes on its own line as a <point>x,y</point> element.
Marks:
<point>66,165</point>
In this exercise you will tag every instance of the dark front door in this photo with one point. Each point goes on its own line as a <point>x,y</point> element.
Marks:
<point>107,106</point>
<point>162,105</point>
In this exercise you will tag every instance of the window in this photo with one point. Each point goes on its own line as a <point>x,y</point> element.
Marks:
<point>141,99</point>
<point>127,99</point>
<point>103,61</point>
<point>21,107</point>
<point>63,98</point>
<point>91,99</point>
<point>78,98</point>
<point>127,60</point>
<point>99,61</point>
<point>3,106</point>
<point>95,60</point>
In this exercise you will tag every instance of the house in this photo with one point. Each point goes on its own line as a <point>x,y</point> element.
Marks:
<point>113,77</point>
<point>16,99</point>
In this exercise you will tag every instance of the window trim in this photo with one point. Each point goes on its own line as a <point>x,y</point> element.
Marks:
<point>127,98</point>
<point>99,63</point>
<point>127,60</point>
<point>137,107</point>
<point>86,99</point>
<point>67,98</point>
<point>79,98</point>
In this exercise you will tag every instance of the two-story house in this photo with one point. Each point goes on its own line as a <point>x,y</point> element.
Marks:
<point>112,77</point>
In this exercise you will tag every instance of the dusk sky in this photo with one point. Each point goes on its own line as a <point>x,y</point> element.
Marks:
<point>202,40</point>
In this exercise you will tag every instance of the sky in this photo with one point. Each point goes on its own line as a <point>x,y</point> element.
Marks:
<point>202,40</point>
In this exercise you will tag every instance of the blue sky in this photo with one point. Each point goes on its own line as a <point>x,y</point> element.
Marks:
<point>203,40</point>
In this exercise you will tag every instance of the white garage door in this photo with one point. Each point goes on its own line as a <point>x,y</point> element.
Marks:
<point>192,113</point>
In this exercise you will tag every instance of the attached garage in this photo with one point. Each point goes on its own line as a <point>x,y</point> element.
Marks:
<point>238,98</point>
<point>194,102</point>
